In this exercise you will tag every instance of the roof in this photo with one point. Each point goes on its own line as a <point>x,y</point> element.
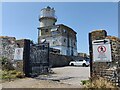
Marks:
<point>66,27</point>
<point>59,25</point>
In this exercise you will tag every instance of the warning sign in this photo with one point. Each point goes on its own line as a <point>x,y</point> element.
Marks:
<point>18,54</point>
<point>101,50</point>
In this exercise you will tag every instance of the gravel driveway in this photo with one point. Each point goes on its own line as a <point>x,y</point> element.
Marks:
<point>72,75</point>
<point>63,77</point>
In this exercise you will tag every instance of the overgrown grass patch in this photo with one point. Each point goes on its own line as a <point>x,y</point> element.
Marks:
<point>98,83</point>
<point>10,75</point>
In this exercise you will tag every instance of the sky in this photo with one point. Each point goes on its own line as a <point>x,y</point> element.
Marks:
<point>20,19</point>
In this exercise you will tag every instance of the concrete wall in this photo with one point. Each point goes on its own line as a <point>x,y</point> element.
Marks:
<point>47,22</point>
<point>47,17</point>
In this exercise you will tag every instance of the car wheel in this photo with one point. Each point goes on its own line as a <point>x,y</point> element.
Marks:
<point>72,64</point>
<point>84,65</point>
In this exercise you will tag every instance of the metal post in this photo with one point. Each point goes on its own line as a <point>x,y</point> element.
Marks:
<point>48,58</point>
<point>90,52</point>
<point>119,42</point>
<point>26,58</point>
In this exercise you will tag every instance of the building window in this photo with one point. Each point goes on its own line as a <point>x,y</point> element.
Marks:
<point>54,33</point>
<point>54,29</point>
<point>46,30</point>
<point>74,44</point>
<point>64,30</point>
<point>64,40</point>
<point>53,42</point>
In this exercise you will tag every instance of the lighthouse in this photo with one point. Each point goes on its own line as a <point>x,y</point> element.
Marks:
<point>59,36</point>
<point>47,17</point>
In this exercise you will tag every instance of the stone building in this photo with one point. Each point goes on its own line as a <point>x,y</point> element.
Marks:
<point>58,36</point>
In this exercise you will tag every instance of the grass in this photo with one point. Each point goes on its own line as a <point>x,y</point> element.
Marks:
<point>98,82</point>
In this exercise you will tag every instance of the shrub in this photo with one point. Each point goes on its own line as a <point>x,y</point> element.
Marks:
<point>84,82</point>
<point>20,75</point>
<point>98,82</point>
<point>6,65</point>
<point>11,75</point>
<point>13,72</point>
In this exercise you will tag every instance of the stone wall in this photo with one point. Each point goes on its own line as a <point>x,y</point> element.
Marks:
<point>7,47</point>
<point>32,55</point>
<point>7,50</point>
<point>57,60</point>
<point>101,68</point>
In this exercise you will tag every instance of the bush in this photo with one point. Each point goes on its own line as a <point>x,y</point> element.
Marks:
<point>98,82</point>
<point>7,76</point>
<point>8,72</point>
<point>20,75</point>
<point>10,75</point>
<point>84,82</point>
<point>6,65</point>
<point>13,71</point>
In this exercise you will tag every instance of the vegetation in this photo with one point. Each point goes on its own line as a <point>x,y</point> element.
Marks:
<point>98,82</point>
<point>5,64</point>
<point>7,71</point>
<point>11,75</point>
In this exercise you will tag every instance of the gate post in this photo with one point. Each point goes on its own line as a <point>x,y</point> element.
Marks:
<point>48,58</point>
<point>119,46</point>
<point>26,57</point>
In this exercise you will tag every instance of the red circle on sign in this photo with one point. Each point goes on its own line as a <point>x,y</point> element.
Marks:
<point>101,49</point>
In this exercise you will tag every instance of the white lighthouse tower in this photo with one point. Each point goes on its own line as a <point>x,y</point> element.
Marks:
<point>61,38</point>
<point>47,17</point>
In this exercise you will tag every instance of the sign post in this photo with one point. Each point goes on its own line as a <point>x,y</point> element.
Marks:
<point>101,50</point>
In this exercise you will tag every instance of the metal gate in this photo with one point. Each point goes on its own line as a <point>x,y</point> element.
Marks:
<point>39,59</point>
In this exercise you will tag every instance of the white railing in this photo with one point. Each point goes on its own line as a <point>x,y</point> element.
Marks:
<point>41,16</point>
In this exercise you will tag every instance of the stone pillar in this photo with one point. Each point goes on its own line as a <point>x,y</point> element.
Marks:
<point>25,43</point>
<point>95,35</point>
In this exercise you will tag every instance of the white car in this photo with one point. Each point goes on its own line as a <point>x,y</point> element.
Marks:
<point>83,63</point>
